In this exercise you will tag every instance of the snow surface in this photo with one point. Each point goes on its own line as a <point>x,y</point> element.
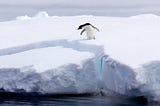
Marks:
<point>33,58</point>
<point>46,54</point>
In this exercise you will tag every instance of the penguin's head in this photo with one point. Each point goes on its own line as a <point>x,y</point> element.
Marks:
<point>83,25</point>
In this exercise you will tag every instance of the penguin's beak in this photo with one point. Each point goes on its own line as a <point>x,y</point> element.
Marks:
<point>79,28</point>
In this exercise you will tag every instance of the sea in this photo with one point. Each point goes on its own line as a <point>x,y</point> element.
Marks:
<point>78,100</point>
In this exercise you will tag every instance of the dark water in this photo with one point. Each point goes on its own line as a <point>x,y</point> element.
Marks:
<point>69,101</point>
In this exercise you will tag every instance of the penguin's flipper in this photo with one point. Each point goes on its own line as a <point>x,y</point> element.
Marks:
<point>95,28</point>
<point>82,31</point>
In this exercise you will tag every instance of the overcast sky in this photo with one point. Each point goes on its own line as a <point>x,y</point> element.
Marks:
<point>9,9</point>
<point>80,2</point>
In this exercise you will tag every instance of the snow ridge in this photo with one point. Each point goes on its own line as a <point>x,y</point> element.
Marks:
<point>43,44</point>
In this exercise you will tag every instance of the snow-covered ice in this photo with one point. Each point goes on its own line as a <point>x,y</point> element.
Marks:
<point>46,54</point>
<point>41,59</point>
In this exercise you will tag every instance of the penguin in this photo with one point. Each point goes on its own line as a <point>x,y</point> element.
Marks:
<point>89,29</point>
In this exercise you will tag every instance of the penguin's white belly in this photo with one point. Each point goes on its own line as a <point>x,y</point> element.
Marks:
<point>90,33</point>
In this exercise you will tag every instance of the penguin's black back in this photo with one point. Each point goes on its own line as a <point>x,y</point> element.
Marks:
<point>81,26</point>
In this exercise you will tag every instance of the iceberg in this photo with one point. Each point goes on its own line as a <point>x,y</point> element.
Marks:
<point>46,54</point>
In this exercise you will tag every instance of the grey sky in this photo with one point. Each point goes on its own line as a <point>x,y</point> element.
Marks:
<point>80,2</point>
<point>9,9</point>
